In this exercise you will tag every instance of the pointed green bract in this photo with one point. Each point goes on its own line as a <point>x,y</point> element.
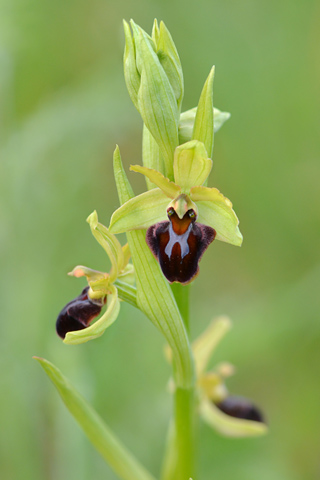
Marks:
<point>97,328</point>
<point>227,425</point>
<point>156,100</point>
<point>131,74</point>
<point>204,346</point>
<point>140,212</point>
<point>154,296</point>
<point>191,165</point>
<point>222,218</point>
<point>103,439</point>
<point>170,189</point>
<point>186,123</point>
<point>203,124</point>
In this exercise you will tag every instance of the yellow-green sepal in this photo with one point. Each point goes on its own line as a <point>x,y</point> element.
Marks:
<point>204,346</point>
<point>170,189</point>
<point>227,425</point>
<point>97,328</point>
<point>140,212</point>
<point>203,124</point>
<point>215,210</point>
<point>191,165</point>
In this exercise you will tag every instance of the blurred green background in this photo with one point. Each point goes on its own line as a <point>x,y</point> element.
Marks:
<point>63,107</point>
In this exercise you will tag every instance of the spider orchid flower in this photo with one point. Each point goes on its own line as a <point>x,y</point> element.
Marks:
<point>179,232</point>
<point>73,322</point>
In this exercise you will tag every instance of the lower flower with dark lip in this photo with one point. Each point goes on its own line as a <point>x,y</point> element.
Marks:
<point>179,244</point>
<point>78,313</point>
<point>240,407</point>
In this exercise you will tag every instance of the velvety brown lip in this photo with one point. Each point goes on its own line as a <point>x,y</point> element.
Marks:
<point>179,244</point>
<point>78,313</point>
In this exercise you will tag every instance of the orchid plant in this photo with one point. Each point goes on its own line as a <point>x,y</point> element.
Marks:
<point>168,229</point>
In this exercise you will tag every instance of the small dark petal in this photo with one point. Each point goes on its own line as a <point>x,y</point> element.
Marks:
<point>240,407</point>
<point>179,244</point>
<point>78,313</point>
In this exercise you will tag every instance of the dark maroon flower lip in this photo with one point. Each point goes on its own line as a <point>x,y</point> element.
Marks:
<point>78,313</point>
<point>179,244</point>
<point>240,407</point>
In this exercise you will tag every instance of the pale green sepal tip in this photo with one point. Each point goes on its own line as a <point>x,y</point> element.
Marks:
<point>203,125</point>
<point>191,165</point>
<point>155,32</point>
<point>204,346</point>
<point>230,426</point>
<point>187,118</point>
<point>124,188</point>
<point>170,189</point>
<point>103,439</point>
<point>97,328</point>
<point>140,212</point>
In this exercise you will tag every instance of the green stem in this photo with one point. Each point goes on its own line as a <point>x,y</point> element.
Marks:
<point>181,294</point>
<point>182,440</point>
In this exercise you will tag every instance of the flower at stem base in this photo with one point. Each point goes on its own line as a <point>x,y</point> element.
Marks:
<point>210,208</point>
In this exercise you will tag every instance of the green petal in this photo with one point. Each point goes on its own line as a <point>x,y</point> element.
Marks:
<point>170,189</point>
<point>140,212</point>
<point>191,165</point>
<point>227,425</point>
<point>102,438</point>
<point>203,124</point>
<point>97,328</point>
<point>216,211</point>
<point>109,243</point>
<point>204,346</point>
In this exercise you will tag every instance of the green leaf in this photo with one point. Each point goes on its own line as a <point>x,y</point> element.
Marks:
<point>191,165</point>
<point>170,189</point>
<point>151,155</point>
<point>97,328</point>
<point>131,74</point>
<point>227,425</point>
<point>187,119</point>
<point>203,124</point>
<point>156,100</point>
<point>102,438</point>
<point>140,212</point>
<point>216,211</point>
<point>204,346</point>
<point>154,296</point>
